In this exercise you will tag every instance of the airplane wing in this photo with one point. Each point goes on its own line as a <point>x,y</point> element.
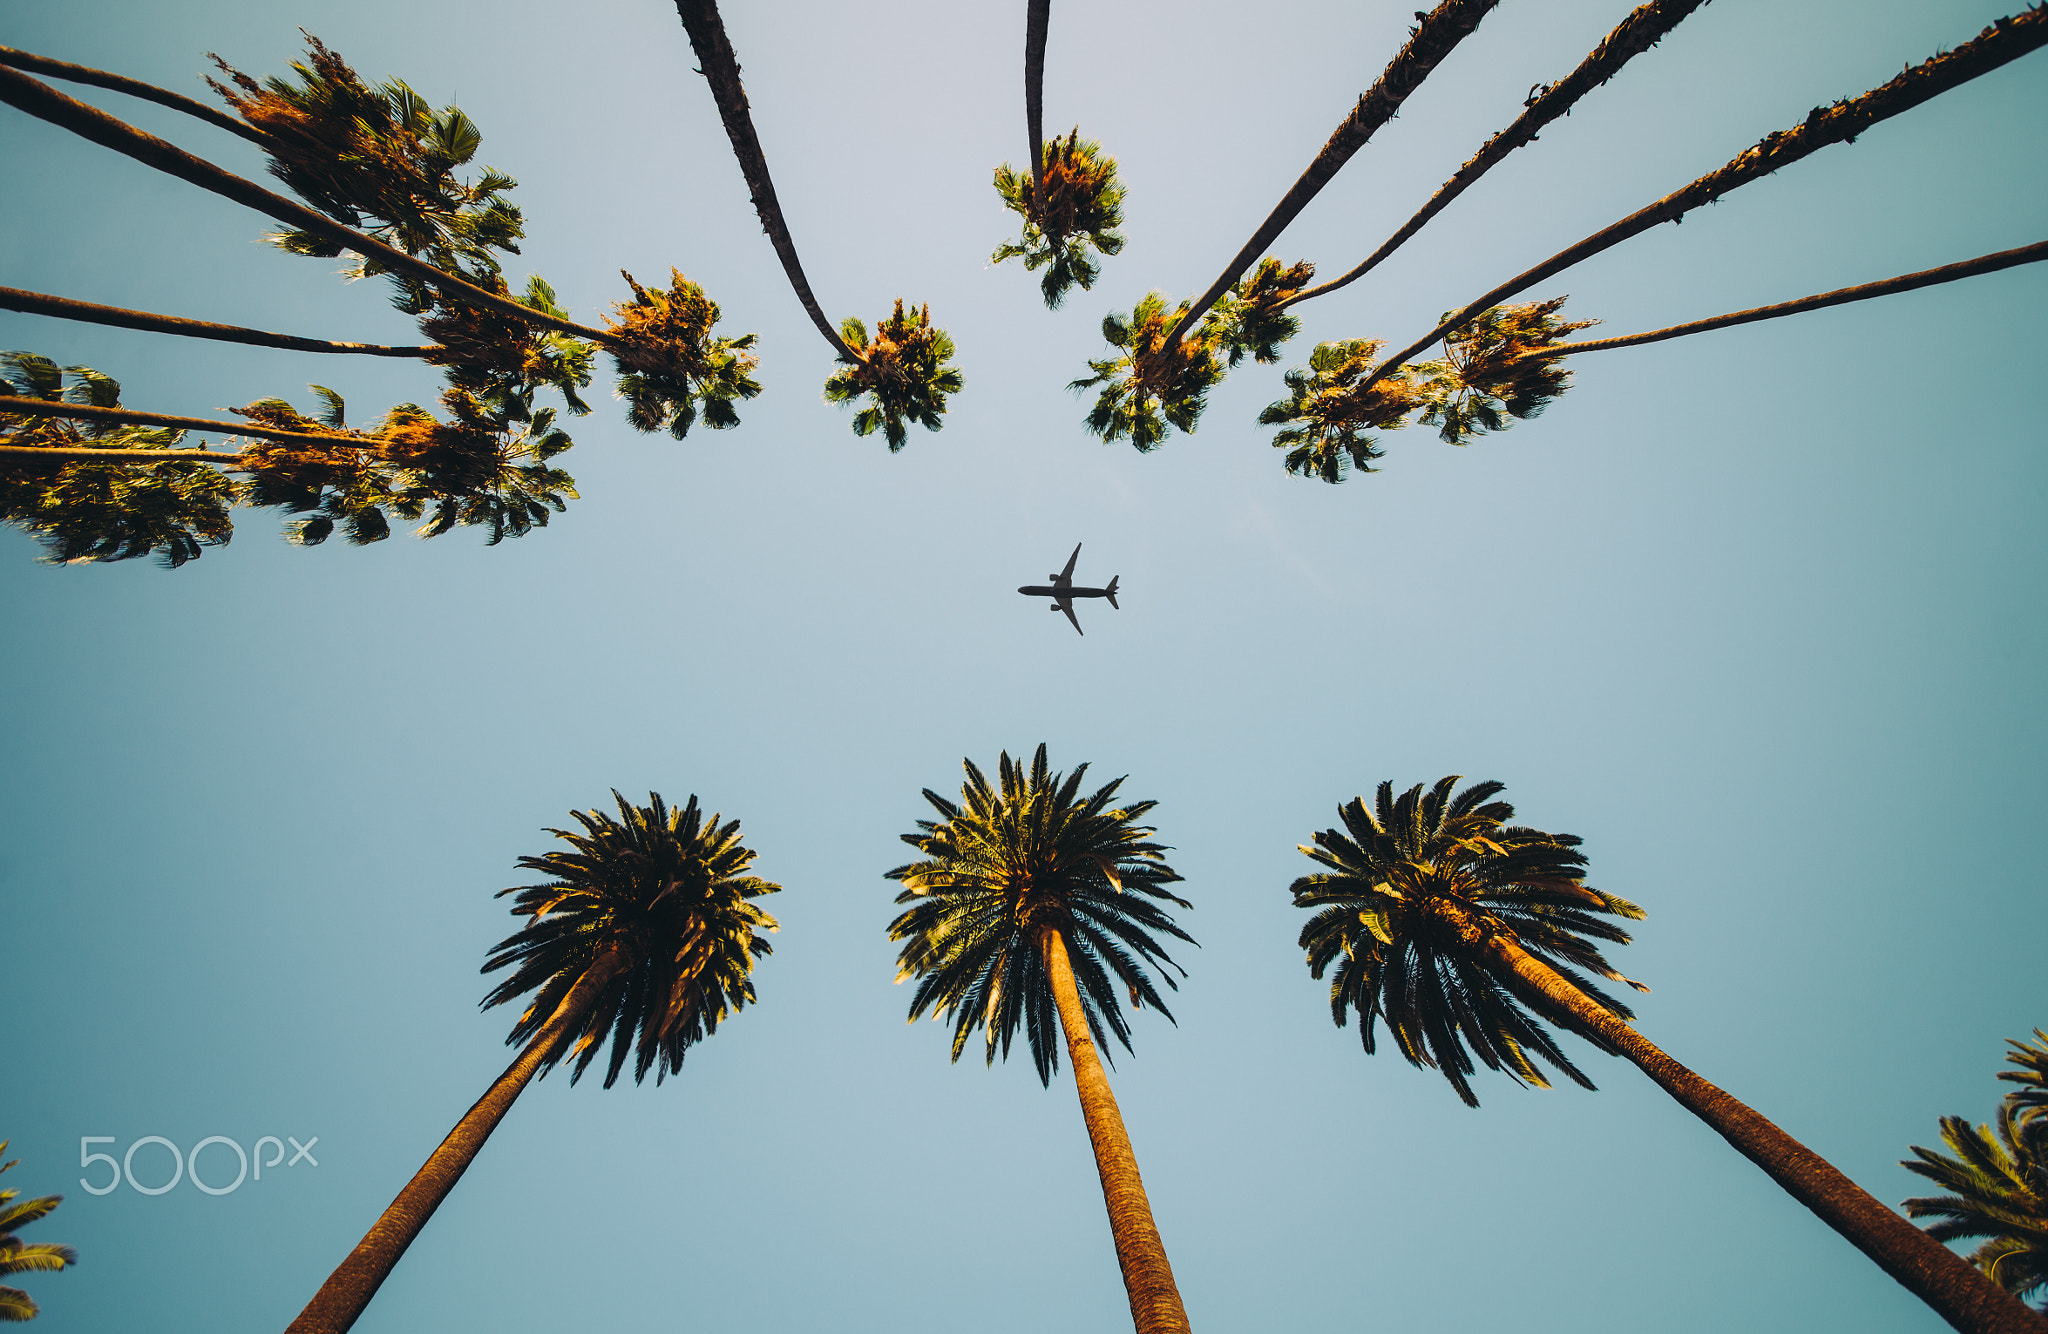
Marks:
<point>1068,607</point>
<point>1066,576</point>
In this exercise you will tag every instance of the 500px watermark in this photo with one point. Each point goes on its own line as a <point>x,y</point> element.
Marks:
<point>186,1165</point>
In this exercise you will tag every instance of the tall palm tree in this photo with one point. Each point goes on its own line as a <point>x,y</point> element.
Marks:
<point>1036,905</point>
<point>23,1257</point>
<point>898,376</point>
<point>644,932</point>
<point>1469,934</point>
<point>2003,42</point>
<point>2000,1181</point>
<point>88,312</point>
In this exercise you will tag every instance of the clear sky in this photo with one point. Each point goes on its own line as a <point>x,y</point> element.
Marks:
<point>1757,614</point>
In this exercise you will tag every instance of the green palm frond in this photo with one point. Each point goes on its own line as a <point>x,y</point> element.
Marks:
<point>672,369</point>
<point>1999,1180</point>
<point>905,375</point>
<point>1247,319</point>
<point>91,511</point>
<point>1325,418</point>
<point>1413,890</point>
<point>379,157</point>
<point>1080,209</point>
<point>668,890</point>
<point>20,1257</point>
<point>2030,1099</point>
<point>1485,384</point>
<point>1149,385</point>
<point>1009,861</point>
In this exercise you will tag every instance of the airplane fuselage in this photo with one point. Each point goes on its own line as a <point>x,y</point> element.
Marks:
<point>1048,591</point>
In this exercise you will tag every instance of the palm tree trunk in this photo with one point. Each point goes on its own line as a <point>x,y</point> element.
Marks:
<point>1148,1278</point>
<point>64,308</point>
<point>1432,39</point>
<point>721,69</point>
<point>43,407</point>
<point>1931,1271</point>
<point>2004,41</point>
<point>42,101</point>
<point>1635,34</point>
<point>148,92</point>
<point>350,1287</point>
<point>1947,273</point>
<point>1037,18</point>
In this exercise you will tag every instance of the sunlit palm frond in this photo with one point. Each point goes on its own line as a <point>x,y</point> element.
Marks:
<point>1027,854</point>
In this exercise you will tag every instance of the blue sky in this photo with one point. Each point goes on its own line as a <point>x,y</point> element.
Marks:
<point>1755,613</point>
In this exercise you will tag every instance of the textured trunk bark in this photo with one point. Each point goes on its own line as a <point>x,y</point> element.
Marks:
<point>64,308</point>
<point>1037,17</point>
<point>2001,43</point>
<point>350,1287</point>
<point>1929,1270</point>
<point>1635,34</point>
<point>1148,1278</point>
<point>1947,273</point>
<point>1435,37</point>
<point>42,101</point>
<point>721,69</point>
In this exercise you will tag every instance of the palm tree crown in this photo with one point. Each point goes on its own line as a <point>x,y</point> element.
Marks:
<point>1010,862</point>
<point>2000,1180</point>
<point>22,1257</point>
<point>906,373</point>
<point>1417,886</point>
<point>1079,204</point>
<point>667,891</point>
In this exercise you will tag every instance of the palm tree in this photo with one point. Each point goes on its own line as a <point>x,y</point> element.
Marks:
<point>1073,203</point>
<point>2003,42</point>
<point>644,932</point>
<point>2000,1182</point>
<point>1035,905</point>
<point>23,1257</point>
<point>1468,935</point>
<point>899,377</point>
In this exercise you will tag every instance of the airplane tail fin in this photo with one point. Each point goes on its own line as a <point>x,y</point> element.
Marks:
<point>1112,590</point>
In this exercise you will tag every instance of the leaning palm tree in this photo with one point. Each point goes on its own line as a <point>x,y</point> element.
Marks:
<point>1469,935</point>
<point>23,1257</point>
<point>1035,905</point>
<point>908,376</point>
<point>644,932</point>
<point>2000,1180</point>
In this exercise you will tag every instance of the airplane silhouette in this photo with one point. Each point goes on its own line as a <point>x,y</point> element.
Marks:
<point>1063,592</point>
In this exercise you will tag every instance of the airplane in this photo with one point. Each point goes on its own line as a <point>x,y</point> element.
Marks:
<point>1063,592</point>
